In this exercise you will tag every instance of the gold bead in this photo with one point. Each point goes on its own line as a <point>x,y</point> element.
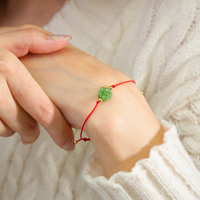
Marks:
<point>142,92</point>
<point>75,142</point>
<point>111,87</point>
<point>100,99</point>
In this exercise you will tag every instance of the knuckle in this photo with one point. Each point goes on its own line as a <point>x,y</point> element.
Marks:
<point>5,131</point>
<point>27,26</point>
<point>22,46</point>
<point>32,126</point>
<point>46,113</point>
<point>6,66</point>
<point>28,33</point>
<point>3,102</point>
<point>31,31</point>
<point>24,90</point>
<point>33,133</point>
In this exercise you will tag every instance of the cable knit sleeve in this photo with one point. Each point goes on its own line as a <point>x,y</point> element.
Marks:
<point>163,45</point>
<point>168,173</point>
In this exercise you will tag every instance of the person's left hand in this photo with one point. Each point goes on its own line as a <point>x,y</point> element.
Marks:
<point>118,128</point>
<point>72,79</point>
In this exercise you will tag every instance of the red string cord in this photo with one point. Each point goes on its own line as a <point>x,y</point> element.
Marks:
<point>97,103</point>
<point>113,86</point>
<point>87,139</point>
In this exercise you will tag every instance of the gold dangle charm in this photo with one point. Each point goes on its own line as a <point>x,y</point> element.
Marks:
<point>142,92</point>
<point>75,142</point>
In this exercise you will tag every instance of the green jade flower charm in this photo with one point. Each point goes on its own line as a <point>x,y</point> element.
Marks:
<point>105,93</point>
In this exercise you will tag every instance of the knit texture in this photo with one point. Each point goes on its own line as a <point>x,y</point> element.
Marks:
<point>157,44</point>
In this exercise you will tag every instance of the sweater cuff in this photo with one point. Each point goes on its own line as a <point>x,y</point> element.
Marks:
<point>169,173</point>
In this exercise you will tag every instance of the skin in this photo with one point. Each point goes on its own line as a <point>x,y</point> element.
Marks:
<point>20,12</point>
<point>16,114</point>
<point>71,79</point>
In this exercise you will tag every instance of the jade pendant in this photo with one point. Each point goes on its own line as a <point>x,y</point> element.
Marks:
<point>105,93</point>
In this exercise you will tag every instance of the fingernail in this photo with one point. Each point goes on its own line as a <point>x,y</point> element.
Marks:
<point>69,146</point>
<point>60,37</point>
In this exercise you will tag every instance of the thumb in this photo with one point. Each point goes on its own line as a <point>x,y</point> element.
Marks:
<point>21,42</point>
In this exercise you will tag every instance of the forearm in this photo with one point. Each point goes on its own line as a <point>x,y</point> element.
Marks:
<point>124,129</point>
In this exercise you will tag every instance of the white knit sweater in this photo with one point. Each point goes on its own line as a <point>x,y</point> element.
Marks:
<point>157,44</point>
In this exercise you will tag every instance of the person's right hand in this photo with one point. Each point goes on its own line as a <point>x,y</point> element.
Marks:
<point>22,102</point>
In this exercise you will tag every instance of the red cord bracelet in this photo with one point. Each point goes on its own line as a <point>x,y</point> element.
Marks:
<point>104,95</point>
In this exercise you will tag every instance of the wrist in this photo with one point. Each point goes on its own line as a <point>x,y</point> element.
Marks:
<point>123,129</point>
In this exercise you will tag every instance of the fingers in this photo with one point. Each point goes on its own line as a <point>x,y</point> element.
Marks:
<point>22,41</point>
<point>5,131</point>
<point>14,118</point>
<point>26,26</point>
<point>28,95</point>
<point>33,100</point>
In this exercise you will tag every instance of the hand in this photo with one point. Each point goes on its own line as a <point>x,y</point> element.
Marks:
<point>72,79</point>
<point>122,129</point>
<point>22,102</point>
